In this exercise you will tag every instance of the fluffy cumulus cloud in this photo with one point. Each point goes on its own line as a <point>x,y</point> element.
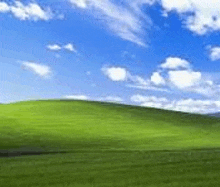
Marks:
<point>215,53</point>
<point>179,6</point>
<point>199,16</point>
<point>184,78</point>
<point>193,82</point>
<point>125,19</point>
<point>134,81</point>
<point>183,105</point>
<point>157,79</point>
<point>4,7</point>
<point>41,70</point>
<point>77,97</point>
<point>56,47</point>
<point>175,63</point>
<point>155,82</point>
<point>31,11</point>
<point>179,75</point>
<point>174,74</point>
<point>115,73</point>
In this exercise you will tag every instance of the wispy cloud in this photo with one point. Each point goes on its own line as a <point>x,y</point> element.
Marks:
<point>183,105</point>
<point>41,70</point>
<point>114,99</point>
<point>110,98</point>
<point>31,11</point>
<point>147,87</point>
<point>77,97</point>
<point>70,47</point>
<point>56,47</point>
<point>125,19</point>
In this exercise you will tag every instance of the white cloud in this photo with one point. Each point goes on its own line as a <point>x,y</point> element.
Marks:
<point>184,78</point>
<point>196,106</point>
<point>114,99</point>
<point>179,6</point>
<point>207,88</point>
<point>137,4</point>
<point>116,73</point>
<point>180,75</point>
<point>43,71</point>
<point>135,81</point>
<point>79,3</point>
<point>199,16</point>
<point>125,19</point>
<point>176,75</point>
<point>183,105</point>
<point>175,63</point>
<point>70,47</point>
<point>215,53</point>
<point>142,99</point>
<point>157,79</point>
<point>138,80</point>
<point>154,83</point>
<point>4,7</point>
<point>148,87</point>
<point>77,97</point>
<point>150,101</point>
<point>31,11</point>
<point>54,47</point>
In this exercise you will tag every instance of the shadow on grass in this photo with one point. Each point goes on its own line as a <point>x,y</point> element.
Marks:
<point>4,153</point>
<point>17,153</point>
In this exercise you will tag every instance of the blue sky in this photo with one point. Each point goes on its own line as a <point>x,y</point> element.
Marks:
<point>155,53</point>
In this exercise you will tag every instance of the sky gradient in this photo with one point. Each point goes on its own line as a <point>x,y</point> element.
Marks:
<point>154,53</point>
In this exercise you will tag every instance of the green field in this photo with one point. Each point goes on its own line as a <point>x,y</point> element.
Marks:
<point>82,143</point>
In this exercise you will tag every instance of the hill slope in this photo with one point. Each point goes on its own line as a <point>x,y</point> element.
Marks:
<point>104,145</point>
<point>73,125</point>
<point>215,115</point>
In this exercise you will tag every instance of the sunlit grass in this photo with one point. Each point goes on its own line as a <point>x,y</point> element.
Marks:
<point>106,145</point>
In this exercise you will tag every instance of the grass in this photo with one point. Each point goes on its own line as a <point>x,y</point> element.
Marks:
<point>82,143</point>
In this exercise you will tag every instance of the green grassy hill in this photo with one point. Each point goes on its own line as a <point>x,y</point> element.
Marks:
<point>84,143</point>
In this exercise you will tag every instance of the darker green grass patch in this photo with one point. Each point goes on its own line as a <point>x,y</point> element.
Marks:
<point>114,168</point>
